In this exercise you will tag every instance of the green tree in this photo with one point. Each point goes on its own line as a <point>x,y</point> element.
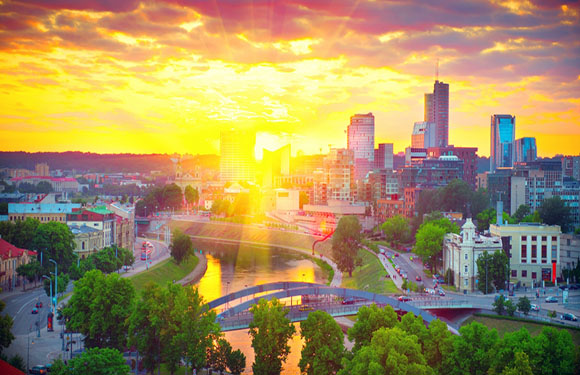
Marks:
<point>429,242</point>
<point>323,344</point>
<point>492,271</point>
<point>415,326</point>
<point>270,331</point>
<point>522,211</point>
<point>479,202</point>
<point>391,351</point>
<point>553,352</point>
<point>18,362</point>
<point>510,308</point>
<point>31,271</point>
<point>181,246</point>
<point>485,218</point>
<point>6,322</point>
<point>503,353</point>
<point>236,362</point>
<point>396,230</point>
<point>554,211</point>
<point>108,260</point>
<point>346,242</point>
<point>222,351</point>
<point>521,366</point>
<point>57,242</point>
<point>471,352</point>
<point>191,195</point>
<point>20,233</point>
<point>63,280</point>
<point>99,309</point>
<point>438,345</point>
<point>44,187</point>
<point>455,196</point>
<point>368,320</point>
<point>172,197</point>
<point>524,305</point>
<point>532,218</point>
<point>95,361</point>
<point>499,305</point>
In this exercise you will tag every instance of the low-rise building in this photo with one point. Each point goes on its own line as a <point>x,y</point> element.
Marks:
<point>569,251</point>
<point>11,257</point>
<point>98,218</point>
<point>87,240</point>
<point>534,251</point>
<point>43,212</point>
<point>460,254</point>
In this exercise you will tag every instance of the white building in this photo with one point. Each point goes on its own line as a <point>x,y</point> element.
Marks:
<point>460,254</point>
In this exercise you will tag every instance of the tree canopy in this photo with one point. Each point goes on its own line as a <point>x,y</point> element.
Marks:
<point>396,230</point>
<point>346,242</point>
<point>553,211</point>
<point>495,268</point>
<point>181,246</point>
<point>323,347</point>
<point>94,361</point>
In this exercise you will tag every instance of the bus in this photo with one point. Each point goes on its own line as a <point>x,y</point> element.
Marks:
<point>146,250</point>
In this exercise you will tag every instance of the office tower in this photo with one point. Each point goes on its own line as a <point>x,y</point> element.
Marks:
<point>274,165</point>
<point>424,135</point>
<point>525,149</point>
<point>437,111</point>
<point>237,156</point>
<point>338,166</point>
<point>384,156</point>
<point>361,140</point>
<point>503,131</point>
<point>42,169</point>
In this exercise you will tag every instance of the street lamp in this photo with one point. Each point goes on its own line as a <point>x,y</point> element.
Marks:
<point>28,355</point>
<point>55,280</point>
<point>50,282</point>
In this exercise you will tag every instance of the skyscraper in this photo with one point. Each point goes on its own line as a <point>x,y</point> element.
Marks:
<point>503,131</point>
<point>525,149</point>
<point>437,111</point>
<point>361,140</point>
<point>384,156</point>
<point>237,156</point>
<point>424,135</point>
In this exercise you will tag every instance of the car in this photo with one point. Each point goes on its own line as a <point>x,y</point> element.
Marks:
<point>569,316</point>
<point>441,292</point>
<point>404,298</point>
<point>38,370</point>
<point>418,278</point>
<point>551,299</point>
<point>38,304</point>
<point>430,291</point>
<point>534,307</point>
<point>35,310</point>
<point>348,301</point>
<point>396,254</point>
<point>306,308</point>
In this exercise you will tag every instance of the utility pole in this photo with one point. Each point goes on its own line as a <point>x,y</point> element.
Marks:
<point>486,275</point>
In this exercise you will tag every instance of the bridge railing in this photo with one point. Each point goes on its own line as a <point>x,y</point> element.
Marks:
<point>440,303</point>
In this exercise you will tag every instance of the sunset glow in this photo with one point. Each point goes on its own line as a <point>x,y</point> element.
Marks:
<point>168,76</point>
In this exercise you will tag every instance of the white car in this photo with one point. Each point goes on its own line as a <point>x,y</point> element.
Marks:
<point>534,307</point>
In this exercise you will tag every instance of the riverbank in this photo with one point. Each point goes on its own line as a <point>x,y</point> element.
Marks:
<point>168,271</point>
<point>370,276</point>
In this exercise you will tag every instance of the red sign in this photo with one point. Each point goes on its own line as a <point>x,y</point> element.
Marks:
<point>553,271</point>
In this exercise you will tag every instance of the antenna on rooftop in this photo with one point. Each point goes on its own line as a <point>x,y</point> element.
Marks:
<point>437,71</point>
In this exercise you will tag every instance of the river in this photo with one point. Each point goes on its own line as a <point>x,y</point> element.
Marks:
<point>232,267</point>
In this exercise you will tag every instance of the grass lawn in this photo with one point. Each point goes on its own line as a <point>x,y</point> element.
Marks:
<point>370,276</point>
<point>503,325</point>
<point>163,272</point>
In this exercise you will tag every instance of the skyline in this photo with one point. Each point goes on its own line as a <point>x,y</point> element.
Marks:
<point>165,77</point>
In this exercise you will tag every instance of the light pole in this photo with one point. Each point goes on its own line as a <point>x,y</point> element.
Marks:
<point>55,281</point>
<point>28,355</point>
<point>50,282</point>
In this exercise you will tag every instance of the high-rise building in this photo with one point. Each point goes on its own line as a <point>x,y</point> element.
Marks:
<point>571,166</point>
<point>338,166</point>
<point>503,131</point>
<point>437,111</point>
<point>525,149</point>
<point>237,156</point>
<point>275,164</point>
<point>42,169</point>
<point>361,140</point>
<point>467,154</point>
<point>424,135</point>
<point>384,156</point>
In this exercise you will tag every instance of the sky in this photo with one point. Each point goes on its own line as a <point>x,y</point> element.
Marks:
<point>167,76</point>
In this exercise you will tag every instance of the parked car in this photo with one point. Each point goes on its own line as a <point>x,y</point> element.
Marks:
<point>569,316</point>
<point>441,292</point>
<point>551,299</point>
<point>38,370</point>
<point>534,307</point>
<point>35,310</point>
<point>404,298</point>
<point>396,255</point>
<point>418,278</point>
<point>38,304</point>
<point>430,291</point>
<point>348,301</point>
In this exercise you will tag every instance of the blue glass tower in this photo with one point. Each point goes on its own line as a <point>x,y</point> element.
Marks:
<point>526,149</point>
<point>502,151</point>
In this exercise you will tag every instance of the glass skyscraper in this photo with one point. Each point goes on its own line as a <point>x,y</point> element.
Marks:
<point>361,140</point>
<point>502,151</point>
<point>526,149</point>
<point>437,111</point>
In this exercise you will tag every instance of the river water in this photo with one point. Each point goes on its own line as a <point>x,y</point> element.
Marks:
<point>232,267</point>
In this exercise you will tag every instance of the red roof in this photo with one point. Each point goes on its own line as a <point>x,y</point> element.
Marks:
<point>6,369</point>
<point>7,251</point>
<point>63,179</point>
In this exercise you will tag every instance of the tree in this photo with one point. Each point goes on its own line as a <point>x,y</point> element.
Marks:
<point>31,271</point>
<point>181,246</point>
<point>236,362</point>
<point>455,196</point>
<point>391,351</point>
<point>221,353</point>
<point>100,308</point>
<point>471,352</point>
<point>346,242</point>
<point>6,322</point>
<point>44,187</point>
<point>524,305</point>
<point>95,361</point>
<point>485,218</point>
<point>172,197</point>
<point>368,320</point>
<point>303,199</point>
<point>503,353</point>
<point>492,271</point>
<point>323,344</point>
<point>241,205</point>
<point>554,211</point>
<point>510,308</point>
<point>415,326</point>
<point>191,195</point>
<point>522,211</point>
<point>479,201</point>
<point>17,361</point>
<point>57,242</point>
<point>108,260</point>
<point>63,280</point>
<point>429,242</point>
<point>396,229</point>
<point>439,345</point>
<point>521,366</point>
<point>270,331</point>
<point>553,352</point>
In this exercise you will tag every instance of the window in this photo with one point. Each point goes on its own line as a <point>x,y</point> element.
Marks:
<point>544,238</point>
<point>524,253</point>
<point>524,238</point>
<point>514,273</point>
<point>534,238</point>
<point>544,251</point>
<point>83,245</point>
<point>524,273</point>
<point>534,252</point>
<point>465,269</point>
<point>467,256</point>
<point>466,282</point>
<point>534,275</point>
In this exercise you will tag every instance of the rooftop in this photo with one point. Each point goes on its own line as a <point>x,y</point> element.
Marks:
<point>7,250</point>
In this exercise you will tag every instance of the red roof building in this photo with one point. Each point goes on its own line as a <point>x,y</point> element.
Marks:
<point>7,369</point>
<point>10,258</point>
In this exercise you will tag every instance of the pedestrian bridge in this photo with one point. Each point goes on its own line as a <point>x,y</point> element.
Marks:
<point>239,317</point>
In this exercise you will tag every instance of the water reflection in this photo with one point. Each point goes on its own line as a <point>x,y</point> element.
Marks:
<point>232,267</point>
